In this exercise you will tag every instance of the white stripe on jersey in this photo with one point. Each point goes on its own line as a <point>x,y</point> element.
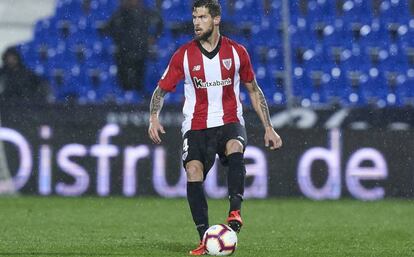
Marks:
<point>190,101</point>
<point>212,72</point>
<point>236,83</point>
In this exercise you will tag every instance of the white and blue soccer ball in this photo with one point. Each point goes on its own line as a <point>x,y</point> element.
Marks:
<point>220,240</point>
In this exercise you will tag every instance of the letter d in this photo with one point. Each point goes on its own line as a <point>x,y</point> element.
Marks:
<point>332,187</point>
<point>25,163</point>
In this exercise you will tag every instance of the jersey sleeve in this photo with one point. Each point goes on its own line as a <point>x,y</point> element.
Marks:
<point>246,68</point>
<point>173,73</point>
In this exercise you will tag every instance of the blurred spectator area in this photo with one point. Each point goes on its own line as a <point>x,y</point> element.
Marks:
<point>17,18</point>
<point>346,52</point>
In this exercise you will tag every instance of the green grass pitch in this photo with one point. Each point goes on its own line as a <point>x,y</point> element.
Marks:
<point>35,226</point>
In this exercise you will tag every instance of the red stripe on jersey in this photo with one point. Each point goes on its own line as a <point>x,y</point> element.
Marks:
<point>195,59</point>
<point>227,71</point>
<point>174,72</point>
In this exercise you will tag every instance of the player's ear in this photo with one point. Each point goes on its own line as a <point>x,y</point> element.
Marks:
<point>217,20</point>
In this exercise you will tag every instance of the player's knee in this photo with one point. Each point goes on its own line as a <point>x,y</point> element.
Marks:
<point>194,172</point>
<point>234,146</point>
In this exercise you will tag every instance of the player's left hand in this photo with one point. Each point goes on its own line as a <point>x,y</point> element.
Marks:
<point>272,139</point>
<point>154,130</point>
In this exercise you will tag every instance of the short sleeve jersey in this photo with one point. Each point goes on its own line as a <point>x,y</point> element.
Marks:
<point>211,82</point>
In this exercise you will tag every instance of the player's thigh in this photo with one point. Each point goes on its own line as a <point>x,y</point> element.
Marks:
<point>196,151</point>
<point>233,139</point>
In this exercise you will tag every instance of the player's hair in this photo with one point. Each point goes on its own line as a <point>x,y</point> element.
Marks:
<point>213,6</point>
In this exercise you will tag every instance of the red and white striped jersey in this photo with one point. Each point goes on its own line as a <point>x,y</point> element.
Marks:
<point>211,82</point>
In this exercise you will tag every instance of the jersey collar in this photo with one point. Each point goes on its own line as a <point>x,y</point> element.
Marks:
<point>208,54</point>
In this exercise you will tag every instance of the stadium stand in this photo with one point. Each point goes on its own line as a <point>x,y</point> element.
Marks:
<point>18,17</point>
<point>346,52</point>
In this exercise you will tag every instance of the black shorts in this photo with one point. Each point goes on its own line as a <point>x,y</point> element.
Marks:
<point>203,145</point>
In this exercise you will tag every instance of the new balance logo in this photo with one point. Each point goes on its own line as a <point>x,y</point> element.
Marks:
<point>197,68</point>
<point>240,138</point>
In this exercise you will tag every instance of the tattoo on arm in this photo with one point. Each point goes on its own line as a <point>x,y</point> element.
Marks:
<point>262,104</point>
<point>157,101</point>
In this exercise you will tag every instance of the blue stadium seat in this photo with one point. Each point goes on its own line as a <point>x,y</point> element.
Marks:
<point>396,87</point>
<point>298,8</point>
<point>42,53</point>
<point>43,30</point>
<point>357,11</point>
<point>407,89</point>
<point>396,32</point>
<point>355,53</point>
<point>99,81</point>
<point>300,82</point>
<point>316,91</point>
<point>68,10</point>
<point>272,9</point>
<point>268,55</point>
<point>356,87</point>
<point>335,88</point>
<point>150,3</point>
<point>396,60</point>
<point>175,11</point>
<point>376,90</point>
<point>357,60</point>
<point>270,77</point>
<point>337,54</point>
<point>66,82</point>
<point>166,46</point>
<point>154,71</point>
<point>247,11</point>
<point>101,48</point>
<point>376,55</point>
<point>323,10</point>
<point>392,11</point>
<point>269,37</point>
<point>110,6</point>
<point>65,29</point>
<point>409,56</point>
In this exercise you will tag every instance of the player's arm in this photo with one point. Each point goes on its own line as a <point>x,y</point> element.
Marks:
<point>168,82</point>
<point>272,139</point>
<point>156,104</point>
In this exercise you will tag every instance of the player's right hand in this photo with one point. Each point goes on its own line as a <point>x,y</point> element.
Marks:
<point>154,131</point>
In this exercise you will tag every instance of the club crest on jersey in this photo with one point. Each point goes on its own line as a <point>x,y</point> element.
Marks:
<point>227,63</point>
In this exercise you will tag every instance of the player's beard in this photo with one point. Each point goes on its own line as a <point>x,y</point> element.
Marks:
<point>204,36</point>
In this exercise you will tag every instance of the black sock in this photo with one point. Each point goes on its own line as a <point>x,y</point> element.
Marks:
<point>235,180</point>
<point>198,205</point>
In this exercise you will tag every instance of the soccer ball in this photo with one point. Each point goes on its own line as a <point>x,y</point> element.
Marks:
<point>220,240</point>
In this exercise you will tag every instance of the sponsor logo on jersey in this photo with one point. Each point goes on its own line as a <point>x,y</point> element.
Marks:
<point>217,83</point>
<point>227,63</point>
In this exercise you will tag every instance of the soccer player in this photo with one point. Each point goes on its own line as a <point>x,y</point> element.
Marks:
<point>212,67</point>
